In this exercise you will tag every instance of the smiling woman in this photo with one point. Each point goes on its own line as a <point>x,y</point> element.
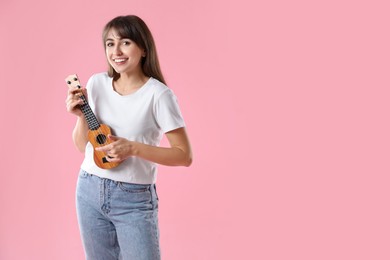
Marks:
<point>117,207</point>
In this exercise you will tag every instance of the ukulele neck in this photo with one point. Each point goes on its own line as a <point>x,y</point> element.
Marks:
<point>93,123</point>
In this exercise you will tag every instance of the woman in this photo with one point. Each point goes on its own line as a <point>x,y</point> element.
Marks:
<point>117,208</point>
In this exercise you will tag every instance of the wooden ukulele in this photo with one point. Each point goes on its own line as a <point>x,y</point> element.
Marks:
<point>97,133</point>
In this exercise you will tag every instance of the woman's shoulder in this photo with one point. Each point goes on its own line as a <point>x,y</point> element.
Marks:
<point>158,87</point>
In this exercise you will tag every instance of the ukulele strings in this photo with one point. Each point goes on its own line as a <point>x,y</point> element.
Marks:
<point>87,111</point>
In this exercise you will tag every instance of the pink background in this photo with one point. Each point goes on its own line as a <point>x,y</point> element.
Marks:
<point>286,104</point>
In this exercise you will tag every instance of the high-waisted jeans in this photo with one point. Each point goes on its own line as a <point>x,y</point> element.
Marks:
<point>117,220</point>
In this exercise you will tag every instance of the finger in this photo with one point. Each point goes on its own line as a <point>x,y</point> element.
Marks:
<point>113,137</point>
<point>72,104</point>
<point>105,148</point>
<point>113,159</point>
<point>73,98</point>
<point>74,90</point>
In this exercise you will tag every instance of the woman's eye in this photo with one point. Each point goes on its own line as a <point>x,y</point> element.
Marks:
<point>109,44</point>
<point>126,43</point>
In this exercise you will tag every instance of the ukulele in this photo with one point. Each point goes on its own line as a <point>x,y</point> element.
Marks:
<point>97,133</point>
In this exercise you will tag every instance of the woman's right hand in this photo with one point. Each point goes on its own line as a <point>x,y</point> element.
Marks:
<point>73,100</point>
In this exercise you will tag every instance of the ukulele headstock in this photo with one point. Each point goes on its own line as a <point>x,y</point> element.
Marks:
<point>73,81</point>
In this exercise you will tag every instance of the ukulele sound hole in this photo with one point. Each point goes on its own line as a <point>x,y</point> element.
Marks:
<point>101,138</point>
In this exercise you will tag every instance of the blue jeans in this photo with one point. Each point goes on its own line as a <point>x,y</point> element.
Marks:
<point>117,220</point>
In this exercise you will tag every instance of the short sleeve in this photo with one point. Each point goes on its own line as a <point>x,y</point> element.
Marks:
<point>167,112</point>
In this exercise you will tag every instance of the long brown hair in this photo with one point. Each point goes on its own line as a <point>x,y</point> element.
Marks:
<point>134,28</point>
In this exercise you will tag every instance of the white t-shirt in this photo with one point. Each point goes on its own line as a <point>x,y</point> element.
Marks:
<point>143,116</point>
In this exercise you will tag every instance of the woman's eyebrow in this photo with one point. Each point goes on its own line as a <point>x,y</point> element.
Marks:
<point>119,38</point>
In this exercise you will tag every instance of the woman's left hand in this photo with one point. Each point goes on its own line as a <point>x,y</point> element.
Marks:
<point>119,149</point>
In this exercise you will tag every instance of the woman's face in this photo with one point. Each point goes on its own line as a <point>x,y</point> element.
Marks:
<point>123,54</point>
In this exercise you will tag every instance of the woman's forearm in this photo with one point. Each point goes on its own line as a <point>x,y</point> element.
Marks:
<point>173,156</point>
<point>80,134</point>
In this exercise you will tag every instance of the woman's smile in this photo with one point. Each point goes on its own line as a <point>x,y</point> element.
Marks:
<point>120,61</point>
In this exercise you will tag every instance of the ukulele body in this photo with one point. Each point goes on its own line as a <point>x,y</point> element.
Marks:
<point>98,138</point>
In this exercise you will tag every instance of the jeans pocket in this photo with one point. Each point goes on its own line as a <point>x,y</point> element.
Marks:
<point>133,188</point>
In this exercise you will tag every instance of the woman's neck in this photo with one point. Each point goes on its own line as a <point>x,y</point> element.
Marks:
<point>129,83</point>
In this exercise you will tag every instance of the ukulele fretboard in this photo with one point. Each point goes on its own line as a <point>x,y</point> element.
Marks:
<point>92,121</point>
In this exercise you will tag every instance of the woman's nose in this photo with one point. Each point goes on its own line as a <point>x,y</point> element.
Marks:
<point>117,50</point>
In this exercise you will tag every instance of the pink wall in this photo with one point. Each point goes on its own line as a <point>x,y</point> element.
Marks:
<point>286,104</point>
